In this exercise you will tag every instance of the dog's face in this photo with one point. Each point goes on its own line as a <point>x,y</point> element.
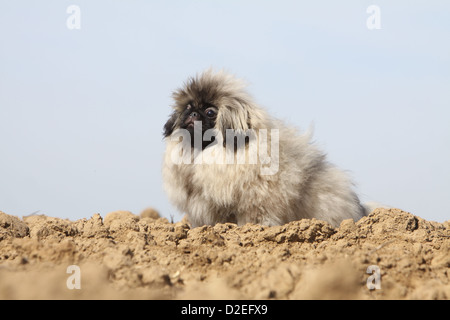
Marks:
<point>186,114</point>
<point>216,99</point>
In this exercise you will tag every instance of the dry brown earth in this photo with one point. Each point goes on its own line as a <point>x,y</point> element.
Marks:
<point>126,256</point>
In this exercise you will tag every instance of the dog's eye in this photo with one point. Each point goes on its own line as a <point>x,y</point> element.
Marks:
<point>210,113</point>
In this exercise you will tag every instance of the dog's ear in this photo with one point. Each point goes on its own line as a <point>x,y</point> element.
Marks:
<point>170,125</point>
<point>232,115</point>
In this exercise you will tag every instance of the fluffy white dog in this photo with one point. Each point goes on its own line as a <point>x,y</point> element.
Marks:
<point>227,160</point>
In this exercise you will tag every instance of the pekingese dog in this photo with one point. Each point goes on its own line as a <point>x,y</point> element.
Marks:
<point>227,160</point>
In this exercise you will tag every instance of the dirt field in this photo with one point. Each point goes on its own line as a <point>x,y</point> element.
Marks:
<point>126,256</point>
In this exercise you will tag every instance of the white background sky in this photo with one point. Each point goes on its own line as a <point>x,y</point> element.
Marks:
<point>82,111</point>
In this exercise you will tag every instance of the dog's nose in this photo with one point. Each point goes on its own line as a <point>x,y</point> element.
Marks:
<point>194,115</point>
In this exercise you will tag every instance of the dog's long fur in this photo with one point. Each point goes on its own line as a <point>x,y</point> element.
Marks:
<point>306,185</point>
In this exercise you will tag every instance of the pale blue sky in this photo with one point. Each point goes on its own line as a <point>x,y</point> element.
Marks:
<point>82,111</point>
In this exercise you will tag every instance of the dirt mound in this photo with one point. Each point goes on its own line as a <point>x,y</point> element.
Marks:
<point>396,254</point>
